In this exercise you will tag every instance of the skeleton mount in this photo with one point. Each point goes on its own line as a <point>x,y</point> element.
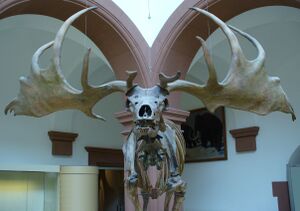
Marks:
<point>153,141</point>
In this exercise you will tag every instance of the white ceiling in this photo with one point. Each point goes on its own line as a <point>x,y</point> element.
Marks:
<point>138,12</point>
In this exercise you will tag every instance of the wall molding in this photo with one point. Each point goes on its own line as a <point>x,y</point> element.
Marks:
<point>104,157</point>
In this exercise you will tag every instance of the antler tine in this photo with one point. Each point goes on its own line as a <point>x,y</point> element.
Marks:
<point>238,57</point>
<point>85,71</point>
<point>164,79</point>
<point>233,41</point>
<point>212,79</point>
<point>61,35</point>
<point>131,77</point>
<point>35,67</point>
<point>261,52</point>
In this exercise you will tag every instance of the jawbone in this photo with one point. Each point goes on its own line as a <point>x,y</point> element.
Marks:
<point>146,128</point>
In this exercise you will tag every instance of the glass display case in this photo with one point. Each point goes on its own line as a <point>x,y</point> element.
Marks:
<point>293,173</point>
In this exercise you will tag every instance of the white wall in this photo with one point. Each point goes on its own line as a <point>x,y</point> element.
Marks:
<point>24,139</point>
<point>243,182</point>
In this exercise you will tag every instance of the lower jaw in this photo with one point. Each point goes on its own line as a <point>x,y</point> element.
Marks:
<point>146,131</point>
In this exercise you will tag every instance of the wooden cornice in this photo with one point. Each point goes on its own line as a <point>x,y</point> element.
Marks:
<point>245,138</point>
<point>62,142</point>
<point>104,157</point>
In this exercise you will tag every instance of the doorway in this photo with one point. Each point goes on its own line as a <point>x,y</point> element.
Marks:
<point>111,190</point>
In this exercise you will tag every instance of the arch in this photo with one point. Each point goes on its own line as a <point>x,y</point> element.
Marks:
<point>176,46</point>
<point>124,46</point>
<point>108,27</point>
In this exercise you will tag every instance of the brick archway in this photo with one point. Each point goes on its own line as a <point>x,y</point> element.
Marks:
<point>123,45</point>
<point>176,46</point>
<point>108,27</point>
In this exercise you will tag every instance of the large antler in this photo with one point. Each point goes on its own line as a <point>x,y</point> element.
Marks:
<point>46,90</point>
<point>246,86</point>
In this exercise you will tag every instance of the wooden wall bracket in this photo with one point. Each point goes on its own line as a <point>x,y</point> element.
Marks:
<point>105,157</point>
<point>281,191</point>
<point>245,138</point>
<point>62,142</point>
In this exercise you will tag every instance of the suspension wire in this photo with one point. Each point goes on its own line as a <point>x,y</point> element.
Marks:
<point>209,43</point>
<point>149,50</point>
<point>85,36</point>
<point>85,27</point>
<point>149,13</point>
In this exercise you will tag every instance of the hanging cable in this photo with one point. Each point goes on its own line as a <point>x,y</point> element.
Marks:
<point>149,13</point>
<point>85,27</point>
<point>209,44</point>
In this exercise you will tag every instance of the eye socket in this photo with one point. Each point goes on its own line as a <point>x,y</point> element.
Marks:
<point>135,103</point>
<point>127,103</point>
<point>155,102</point>
<point>166,102</point>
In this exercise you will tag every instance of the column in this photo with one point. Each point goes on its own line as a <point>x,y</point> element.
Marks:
<point>78,188</point>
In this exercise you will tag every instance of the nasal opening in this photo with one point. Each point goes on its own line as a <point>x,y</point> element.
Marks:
<point>145,111</point>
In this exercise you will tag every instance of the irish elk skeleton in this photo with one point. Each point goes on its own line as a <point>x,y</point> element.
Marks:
<point>153,141</point>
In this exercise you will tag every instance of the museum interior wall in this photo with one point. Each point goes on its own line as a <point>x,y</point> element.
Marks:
<point>243,182</point>
<point>27,138</point>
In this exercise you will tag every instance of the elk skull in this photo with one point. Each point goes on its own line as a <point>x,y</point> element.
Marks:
<point>147,106</point>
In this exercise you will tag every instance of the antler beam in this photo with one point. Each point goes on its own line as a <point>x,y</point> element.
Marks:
<point>246,86</point>
<point>46,90</point>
